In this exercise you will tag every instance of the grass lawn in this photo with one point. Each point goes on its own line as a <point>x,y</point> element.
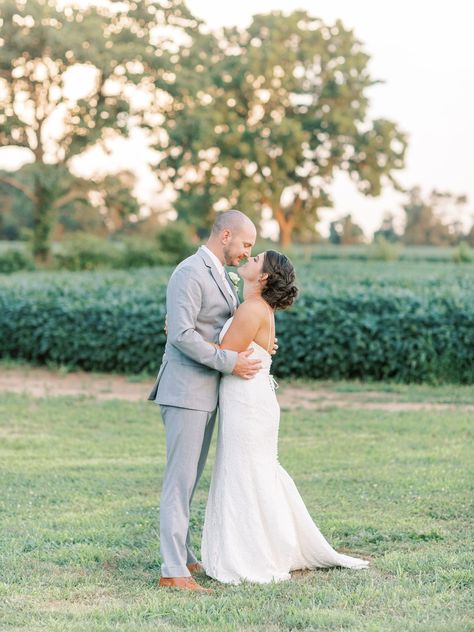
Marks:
<point>79,500</point>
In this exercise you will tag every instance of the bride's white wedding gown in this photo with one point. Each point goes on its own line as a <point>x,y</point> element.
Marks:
<point>257,527</point>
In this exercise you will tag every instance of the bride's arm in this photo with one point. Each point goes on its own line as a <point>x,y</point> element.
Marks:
<point>242,331</point>
<point>244,326</point>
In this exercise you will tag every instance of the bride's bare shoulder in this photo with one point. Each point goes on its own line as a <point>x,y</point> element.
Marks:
<point>251,307</point>
<point>253,304</point>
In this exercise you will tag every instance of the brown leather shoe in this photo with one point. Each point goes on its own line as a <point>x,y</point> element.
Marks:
<point>184,583</point>
<point>195,568</point>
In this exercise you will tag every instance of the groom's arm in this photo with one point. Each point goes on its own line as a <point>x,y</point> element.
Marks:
<point>183,303</point>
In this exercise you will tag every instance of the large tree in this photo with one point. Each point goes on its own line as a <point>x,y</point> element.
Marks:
<point>265,117</point>
<point>67,76</point>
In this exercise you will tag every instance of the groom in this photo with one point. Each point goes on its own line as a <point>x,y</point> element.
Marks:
<point>199,299</point>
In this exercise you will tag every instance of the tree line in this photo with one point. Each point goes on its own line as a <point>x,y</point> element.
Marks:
<point>430,220</point>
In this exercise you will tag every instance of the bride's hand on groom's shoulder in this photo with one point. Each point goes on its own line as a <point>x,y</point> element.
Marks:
<point>245,367</point>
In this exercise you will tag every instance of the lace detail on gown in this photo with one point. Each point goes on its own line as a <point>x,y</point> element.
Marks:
<point>256,526</point>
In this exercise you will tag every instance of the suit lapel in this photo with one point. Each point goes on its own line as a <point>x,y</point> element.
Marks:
<point>218,279</point>
<point>220,282</point>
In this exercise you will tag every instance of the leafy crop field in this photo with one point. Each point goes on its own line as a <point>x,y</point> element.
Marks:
<point>405,321</point>
<point>419,275</point>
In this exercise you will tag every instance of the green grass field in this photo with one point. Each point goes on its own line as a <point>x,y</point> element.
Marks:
<point>79,510</point>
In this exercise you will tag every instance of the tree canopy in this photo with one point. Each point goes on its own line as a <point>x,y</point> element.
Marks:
<point>265,117</point>
<point>67,78</point>
<point>261,118</point>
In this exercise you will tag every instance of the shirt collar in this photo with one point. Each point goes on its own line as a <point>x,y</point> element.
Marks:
<point>215,260</point>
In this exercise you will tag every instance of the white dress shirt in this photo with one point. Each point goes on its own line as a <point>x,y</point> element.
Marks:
<point>221,270</point>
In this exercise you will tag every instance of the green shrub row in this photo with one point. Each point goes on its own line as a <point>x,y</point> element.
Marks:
<point>383,334</point>
<point>422,278</point>
<point>367,333</point>
<point>14,259</point>
<point>88,252</point>
<point>383,250</point>
<point>171,244</point>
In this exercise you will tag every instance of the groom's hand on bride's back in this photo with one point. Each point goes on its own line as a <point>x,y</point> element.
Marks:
<point>275,346</point>
<point>245,366</point>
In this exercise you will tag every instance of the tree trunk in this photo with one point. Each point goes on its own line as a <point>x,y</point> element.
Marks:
<point>286,225</point>
<point>44,219</point>
<point>285,235</point>
<point>43,224</point>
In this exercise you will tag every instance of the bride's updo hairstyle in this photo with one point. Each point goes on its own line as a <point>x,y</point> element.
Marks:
<point>279,290</point>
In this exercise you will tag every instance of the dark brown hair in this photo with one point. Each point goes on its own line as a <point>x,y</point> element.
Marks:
<point>280,290</point>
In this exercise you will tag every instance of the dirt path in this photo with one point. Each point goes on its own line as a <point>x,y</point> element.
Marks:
<point>40,382</point>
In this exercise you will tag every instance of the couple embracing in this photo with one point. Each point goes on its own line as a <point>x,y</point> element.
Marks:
<point>219,353</point>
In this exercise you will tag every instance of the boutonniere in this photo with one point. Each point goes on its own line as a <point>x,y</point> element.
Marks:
<point>234,277</point>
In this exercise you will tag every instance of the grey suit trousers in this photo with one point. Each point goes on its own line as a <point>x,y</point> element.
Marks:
<point>188,437</point>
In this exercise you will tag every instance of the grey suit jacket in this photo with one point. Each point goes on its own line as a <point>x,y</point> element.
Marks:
<point>197,304</point>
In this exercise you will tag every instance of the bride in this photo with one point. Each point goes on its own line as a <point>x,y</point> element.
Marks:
<point>257,527</point>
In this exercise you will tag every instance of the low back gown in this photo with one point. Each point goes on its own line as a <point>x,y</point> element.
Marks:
<point>256,526</point>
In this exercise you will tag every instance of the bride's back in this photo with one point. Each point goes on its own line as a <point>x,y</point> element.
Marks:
<point>253,322</point>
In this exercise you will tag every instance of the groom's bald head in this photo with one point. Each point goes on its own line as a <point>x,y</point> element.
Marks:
<point>232,237</point>
<point>234,221</point>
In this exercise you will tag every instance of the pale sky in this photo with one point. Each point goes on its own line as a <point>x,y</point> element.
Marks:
<point>422,49</point>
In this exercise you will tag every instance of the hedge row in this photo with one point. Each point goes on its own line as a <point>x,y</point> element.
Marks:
<point>82,251</point>
<point>367,333</point>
